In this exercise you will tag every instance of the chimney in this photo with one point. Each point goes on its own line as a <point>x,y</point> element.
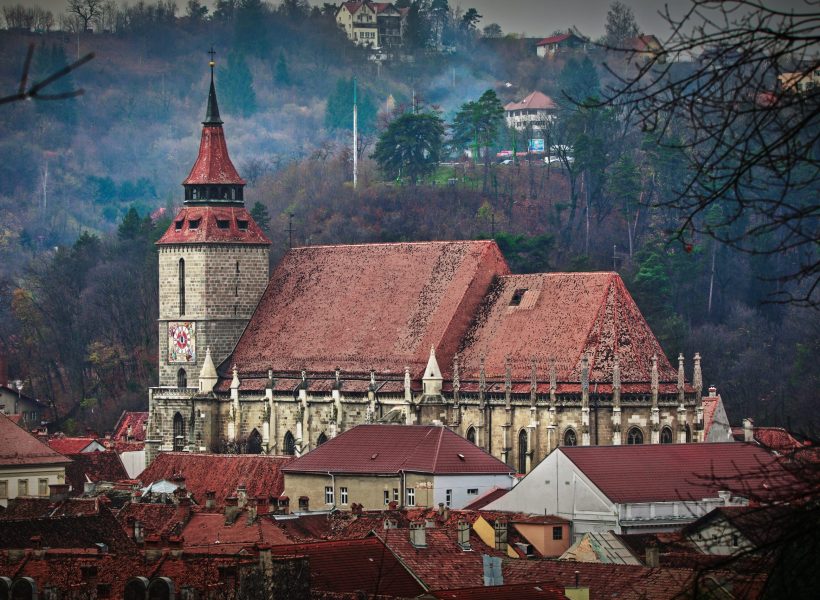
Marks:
<point>89,487</point>
<point>464,535</point>
<point>138,531</point>
<point>748,429</point>
<point>653,555</point>
<point>726,496</point>
<point>492,570</point>
<point>210,500</point>
<point>712,391</point>
<point>443,514</point>
<point>251,511</point>
<point>500,528</point>
<point>392,505</point>
<point>418,535</point>
<point>57,492</point>
<point>390,524</point>
<point>232,511</point>
<point>152,549</point>
<point>241,495</point>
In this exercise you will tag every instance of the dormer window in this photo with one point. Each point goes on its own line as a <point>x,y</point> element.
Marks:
<point>517,296</point>
<point>242,224</point>
<point>223,223</point>
<point>178,224</point>
<point>193,223</point>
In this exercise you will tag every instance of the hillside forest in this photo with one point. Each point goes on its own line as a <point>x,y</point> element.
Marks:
<point>89,183</point>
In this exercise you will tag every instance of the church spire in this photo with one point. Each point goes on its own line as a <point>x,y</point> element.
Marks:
<point>212,113</point>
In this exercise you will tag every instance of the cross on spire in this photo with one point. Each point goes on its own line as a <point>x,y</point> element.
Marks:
<point>212,62</point>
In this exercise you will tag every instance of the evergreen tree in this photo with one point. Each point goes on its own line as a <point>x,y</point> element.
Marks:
<point>339,112</point>
<point>236,87</point>
<point>410,146</point>
<point>281,74</point>
<point>578,81</point>
<point>260,214</point>
<point>478,124</point>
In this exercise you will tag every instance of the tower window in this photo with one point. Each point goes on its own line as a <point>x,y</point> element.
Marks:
<point>471,435</point>
<point>179,432</point>
<point>178,224</point>
<point>242,224</point>
<point>181,286</point>
<point>570,439</point>
<point>193,223</point>
<point>666,435</point>
<point>223,223</point>
<point>182,379</point>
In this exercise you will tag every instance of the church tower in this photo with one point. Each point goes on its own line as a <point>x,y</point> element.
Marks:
<point>213,263</point>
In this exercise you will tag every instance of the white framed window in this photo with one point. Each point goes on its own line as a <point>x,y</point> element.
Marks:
<point>411,496</point>
<point>328,495</point>
<point>42,487</point>
<point>472,491</point>
<point>395,494</point>
<point>448,497</point>
<point>343,495</point>
<point>22,487</point>
<point>386,497</point>
<point>4,489</point>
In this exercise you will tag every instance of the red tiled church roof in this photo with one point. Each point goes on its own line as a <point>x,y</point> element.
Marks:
<point>676,472</point>
<point>378,306</point>
<point>214,224</point>
<point>382,449</point>
<point>562,317</point>
<point>18,447</point>
<point>222,473</point>
<point>213,164</point>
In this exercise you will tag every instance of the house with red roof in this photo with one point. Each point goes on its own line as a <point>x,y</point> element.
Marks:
<point>374,465</point>
<point>644,488</point>
<point>27,466</point>
<point>371,24</point>
<point>776,439</point>
<point>28,411</point>
<point>128,440</point>
<point>532,113</point>
<point>562,42</point>
<point>74,445</point>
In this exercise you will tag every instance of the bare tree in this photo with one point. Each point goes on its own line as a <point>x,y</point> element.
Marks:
<point>43,19</point>
<point>732,89</point>
<point>87,10</point>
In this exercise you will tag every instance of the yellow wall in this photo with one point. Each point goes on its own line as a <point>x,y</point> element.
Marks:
<point>486,532</point>
<point>540,536</point>
<point>12,475</point>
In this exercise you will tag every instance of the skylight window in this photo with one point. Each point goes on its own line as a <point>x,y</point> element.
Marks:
<point>193,223</point>
<point>223,223</point>
<point>517,296</point>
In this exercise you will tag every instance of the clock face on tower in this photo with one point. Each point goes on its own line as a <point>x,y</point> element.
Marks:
<point>182,342</point>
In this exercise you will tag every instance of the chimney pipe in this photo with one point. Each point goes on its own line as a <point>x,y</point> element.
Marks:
<point>138,531</point>
<point>463,535</point>
<point>251,511</point>
<point>418,535</point>
<point>653,556</point>
<point>748,430</point>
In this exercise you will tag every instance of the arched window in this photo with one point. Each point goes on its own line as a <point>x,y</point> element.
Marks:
<point>634,436</point>
<point>182,379</point>
<point>181,286</point>
<point>290,444</point>
<point>321,439</point>
<point>570,439</point>
<point>24,588</point>
<point>161,588</point>
<point>666,435</point>
<point>135,589</point>
<point>179,433</point>
<point>254,445</point>
<point>688,432</point>
<point>522,451</point>
<point>471,435</point>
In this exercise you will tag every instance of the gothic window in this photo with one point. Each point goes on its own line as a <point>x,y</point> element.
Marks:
<point>322,439</point>
<point>179,433</point>
<point>666,435</point>
<point>522,451</point>
<point>634,436</point>
<point>471,435</point>
<point>688,432</point>
<point>182,379</point>
<point>570,439</point>
<point>181,286</point>
<point>290,444</point>
<point>254,445</point>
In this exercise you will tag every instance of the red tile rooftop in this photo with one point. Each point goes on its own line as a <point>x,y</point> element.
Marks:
<point>389,304</point>
<point>352,565</point>
<point>515,591</point>
<point>136,421</point>
<point>222,473</point>
<point>484,499</point>
<point>70,445</point>
<point>678,472</point>
<point>18,447</point>
<point>382,449</point>
<point>213,164</point>
<point>214,224</point>
<point>94,467</point>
